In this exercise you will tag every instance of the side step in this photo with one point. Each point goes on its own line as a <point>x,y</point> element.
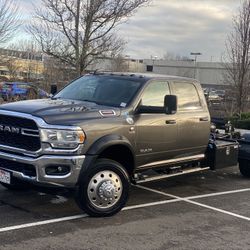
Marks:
<point>140,178</point>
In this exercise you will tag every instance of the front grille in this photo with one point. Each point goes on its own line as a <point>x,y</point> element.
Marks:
<point>26,169</point>
<point>19,140</point>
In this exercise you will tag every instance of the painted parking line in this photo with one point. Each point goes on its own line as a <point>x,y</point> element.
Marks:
<point>44,222</point>
<point>151,204</point>
<point>188,200</point>
<point>157,203</point>
<point>218,194</point>
<point>80,216</point>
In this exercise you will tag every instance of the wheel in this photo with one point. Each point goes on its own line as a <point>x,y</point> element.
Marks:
<point>16,185</point>
<point>103,189</point>
<point>244,166</point>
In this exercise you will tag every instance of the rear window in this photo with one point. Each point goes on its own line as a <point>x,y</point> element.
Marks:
<point>187,96</point>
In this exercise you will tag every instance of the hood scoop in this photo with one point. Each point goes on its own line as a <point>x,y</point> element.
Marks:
<point>107,113</point>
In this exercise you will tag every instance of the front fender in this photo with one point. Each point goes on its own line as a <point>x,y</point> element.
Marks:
<point>107,141</point>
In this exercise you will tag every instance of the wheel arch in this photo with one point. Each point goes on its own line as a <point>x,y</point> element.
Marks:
<point>117,148</point>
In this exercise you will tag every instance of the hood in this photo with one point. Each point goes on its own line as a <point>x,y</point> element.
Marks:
<point>61,111</point>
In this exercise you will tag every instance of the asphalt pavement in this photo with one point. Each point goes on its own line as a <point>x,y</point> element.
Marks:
<point>206,210</point>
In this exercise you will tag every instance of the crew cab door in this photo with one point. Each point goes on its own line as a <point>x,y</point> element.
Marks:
<point>156,133</point>
<point>192,117</point>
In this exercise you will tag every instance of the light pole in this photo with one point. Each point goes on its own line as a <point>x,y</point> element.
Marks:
<point>153,58</point>
<point>195,54</point>
<point>128,59</point>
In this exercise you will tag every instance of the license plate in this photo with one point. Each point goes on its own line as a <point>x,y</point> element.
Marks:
<point>4,176</point>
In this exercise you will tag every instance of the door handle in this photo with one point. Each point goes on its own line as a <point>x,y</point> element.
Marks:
<point>170,122</point>
<point>204,119</point>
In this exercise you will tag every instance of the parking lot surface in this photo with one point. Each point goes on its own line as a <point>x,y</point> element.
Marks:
<point>206,210</point>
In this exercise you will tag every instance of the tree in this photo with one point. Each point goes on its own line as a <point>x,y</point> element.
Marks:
<point>78,31</point>
<point>9,19</point>
<point>238,56</point>
<point>13,67</point>
<point>119,64</point>
<point>56,72</point>
<point>170,56</point>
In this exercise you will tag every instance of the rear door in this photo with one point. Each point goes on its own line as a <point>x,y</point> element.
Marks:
<point>192,118</point>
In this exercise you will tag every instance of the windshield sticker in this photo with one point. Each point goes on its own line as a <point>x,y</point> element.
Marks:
<point>123,104</point>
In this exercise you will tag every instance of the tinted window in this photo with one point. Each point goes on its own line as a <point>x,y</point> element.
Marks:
<point>103,90</point>
<point>154,94</point>
<point>187,96</point>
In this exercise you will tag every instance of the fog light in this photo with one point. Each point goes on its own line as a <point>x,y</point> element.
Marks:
<point>57,170</point>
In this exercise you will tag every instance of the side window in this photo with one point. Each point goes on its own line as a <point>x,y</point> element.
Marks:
<point>154,94</point>
<point>187,96</point>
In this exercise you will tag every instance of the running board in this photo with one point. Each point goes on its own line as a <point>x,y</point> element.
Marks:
<point>165,176</point>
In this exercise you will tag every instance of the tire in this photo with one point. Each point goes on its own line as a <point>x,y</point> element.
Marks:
<point>16,185</point>
<point>103,189</point>
<point>244,166</point>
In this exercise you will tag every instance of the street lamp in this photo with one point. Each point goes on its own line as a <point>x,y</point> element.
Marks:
<point>195,54</point>
<point>128,59</point>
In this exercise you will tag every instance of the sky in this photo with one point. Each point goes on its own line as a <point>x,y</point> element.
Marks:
<point>175,27</point>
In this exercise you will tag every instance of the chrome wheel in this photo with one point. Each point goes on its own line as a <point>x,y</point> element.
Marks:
<point>104,190</point>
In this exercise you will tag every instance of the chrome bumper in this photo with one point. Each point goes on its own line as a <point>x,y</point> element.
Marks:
<point>40,163</point>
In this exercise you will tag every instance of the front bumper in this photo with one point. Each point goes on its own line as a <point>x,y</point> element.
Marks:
<point>41,178</point>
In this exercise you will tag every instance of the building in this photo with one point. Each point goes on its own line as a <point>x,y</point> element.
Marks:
<point>210,74</point>
<point>34,66</point>
<point>20,65</point>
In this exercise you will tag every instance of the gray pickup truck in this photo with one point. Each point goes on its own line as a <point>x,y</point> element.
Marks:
<point>101,132</point>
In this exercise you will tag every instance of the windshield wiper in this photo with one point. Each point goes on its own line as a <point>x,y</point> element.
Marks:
<point>87,100</point>
<point>55,98</point>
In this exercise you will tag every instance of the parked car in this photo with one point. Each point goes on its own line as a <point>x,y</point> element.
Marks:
<point>21,91</point>
<point>214,96</point>
<point>221,93</point>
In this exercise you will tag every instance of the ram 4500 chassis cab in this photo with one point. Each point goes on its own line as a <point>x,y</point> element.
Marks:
<point>101,132</point>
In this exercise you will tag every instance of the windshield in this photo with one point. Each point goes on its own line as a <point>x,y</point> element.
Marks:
<point>102,90</point>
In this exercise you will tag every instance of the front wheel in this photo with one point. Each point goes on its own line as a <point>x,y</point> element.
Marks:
<point>103,189</point>
<point>244,166</point>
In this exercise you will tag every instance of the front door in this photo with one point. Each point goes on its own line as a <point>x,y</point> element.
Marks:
<point>156,133</point>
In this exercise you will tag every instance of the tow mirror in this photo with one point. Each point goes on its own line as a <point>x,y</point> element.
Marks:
<point>53,89</point>
<point>170,103</point>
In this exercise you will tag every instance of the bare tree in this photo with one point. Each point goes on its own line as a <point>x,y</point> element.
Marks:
<point>56,72</point>
<point>78,31</point>
<point>13,67</point>
<point>169,56</point>
<point>9,19</point>
<point>237,61</point>
<point>119,63</point>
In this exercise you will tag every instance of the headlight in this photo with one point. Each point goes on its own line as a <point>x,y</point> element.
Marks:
<point>62,138</point>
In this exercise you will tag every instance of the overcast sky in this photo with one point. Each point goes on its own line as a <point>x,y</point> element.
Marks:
<point>175,26</point>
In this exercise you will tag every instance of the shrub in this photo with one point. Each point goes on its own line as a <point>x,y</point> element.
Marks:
<point>243,124</point>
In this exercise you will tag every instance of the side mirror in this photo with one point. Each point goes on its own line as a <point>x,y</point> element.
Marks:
<point>170,103</point>
<point>53,89</point>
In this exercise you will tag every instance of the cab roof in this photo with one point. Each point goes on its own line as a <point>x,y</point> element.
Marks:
<point>146,76</point>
